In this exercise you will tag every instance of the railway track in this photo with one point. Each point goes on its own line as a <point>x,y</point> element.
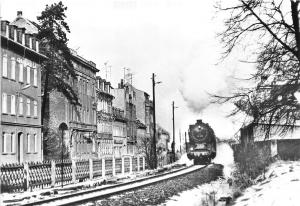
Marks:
<point>98,193</point>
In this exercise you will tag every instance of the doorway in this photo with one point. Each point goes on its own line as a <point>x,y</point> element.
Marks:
<point>20,147</point>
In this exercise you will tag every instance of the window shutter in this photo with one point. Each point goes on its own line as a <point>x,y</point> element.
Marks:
<point>28,74</point>
<point>13,68</point>
<point>35,143</point>
<point>4,103</point>
<point>4,66</point>
<point>35,112</point>
<point>8,104</point>
<point>28,107</point>
<point>13,142</point>
<point>4,142</point>
<point>13,104</point>
<point>7,143</point>
<point>28,143</point>
<point>20,105</point>
<point>32,142</point>
<point>35,77</point>
<point>21,72</point>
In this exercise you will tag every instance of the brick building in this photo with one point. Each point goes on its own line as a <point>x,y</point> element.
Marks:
<point>20,88</point>
<point>104,138</point>
<point>80,119</point>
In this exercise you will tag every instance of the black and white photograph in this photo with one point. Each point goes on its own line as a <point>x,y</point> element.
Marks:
<point>150,102</point>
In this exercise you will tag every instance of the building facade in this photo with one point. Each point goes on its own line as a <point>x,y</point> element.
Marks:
<point>20,88</point>
<point>125,99</point>
<point>104,138</point>
<point>119,132</point>
<point>80,119</point>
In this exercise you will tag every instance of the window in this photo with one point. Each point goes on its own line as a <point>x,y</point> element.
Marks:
<point>35,143</point>
<point>33,43</point>
<point>20,105</point>
<point>8,141</point>
<point>4,66</point>
<point>28,107</point>
<point>3,27</point>
<point>13,68</point>
<point>27,40</point>
<point>13,104</point>
<point>11,32</point>
<point>4,142</point>
<point>4,103</point>
<point>13,142</point>
<point>28,74</point>
<point>21,72</point>
<point>19,36</point>
<point>35,109</point>
<point>31,143</point>
<point>28,142</point>
<point>35,77</point>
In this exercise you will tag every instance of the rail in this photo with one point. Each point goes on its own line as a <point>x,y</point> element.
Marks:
<point>98,193</point>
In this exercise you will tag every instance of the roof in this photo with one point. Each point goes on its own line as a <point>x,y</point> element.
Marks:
<point>31,28</point>
<point>21,22</point>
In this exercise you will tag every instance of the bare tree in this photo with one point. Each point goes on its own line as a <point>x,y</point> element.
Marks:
<point>274,24</point>
<point>145,147</point>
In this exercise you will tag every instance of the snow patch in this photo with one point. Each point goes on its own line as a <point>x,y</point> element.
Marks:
<point>201,195</point>
<point>185,160</point>
<point>281,187</point>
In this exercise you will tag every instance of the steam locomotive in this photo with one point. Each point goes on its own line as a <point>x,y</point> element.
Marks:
<point>202,143</point>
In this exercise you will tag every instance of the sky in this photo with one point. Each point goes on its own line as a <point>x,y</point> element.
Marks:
<point>175,39</point>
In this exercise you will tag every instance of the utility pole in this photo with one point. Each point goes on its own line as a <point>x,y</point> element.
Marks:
<point>173,144</point>
<point>186,148</point>
<point>180,140</point>
<point>154,121</point>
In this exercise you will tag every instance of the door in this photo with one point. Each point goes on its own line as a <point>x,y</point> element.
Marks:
<point>20,147</point>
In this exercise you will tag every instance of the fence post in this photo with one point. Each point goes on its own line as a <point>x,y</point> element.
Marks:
<point>138,163</point>
<point>91,168</point>
<point>73,171</point>
<point>0,182</point>
<point>52,173</point>
<point>123,166</point>
<point>130,163</point>
<point>103,167</point>
<point>26,176</point>
<point>114,166</point>
<point>144,163</point>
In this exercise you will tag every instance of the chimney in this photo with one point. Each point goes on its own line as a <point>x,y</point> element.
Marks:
<point>199,121</point>
<point>19,14</point>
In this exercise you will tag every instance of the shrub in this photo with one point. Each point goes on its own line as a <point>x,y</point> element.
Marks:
<point>251,161</point>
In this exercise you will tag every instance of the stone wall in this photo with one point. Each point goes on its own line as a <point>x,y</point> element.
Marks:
<point>286,149</point>
<point>289,149</point>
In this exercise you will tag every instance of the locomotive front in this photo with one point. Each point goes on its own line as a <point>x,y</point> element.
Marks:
<point>202,143</point>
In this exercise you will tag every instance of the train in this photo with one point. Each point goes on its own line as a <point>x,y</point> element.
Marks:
<point>202,143</point>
